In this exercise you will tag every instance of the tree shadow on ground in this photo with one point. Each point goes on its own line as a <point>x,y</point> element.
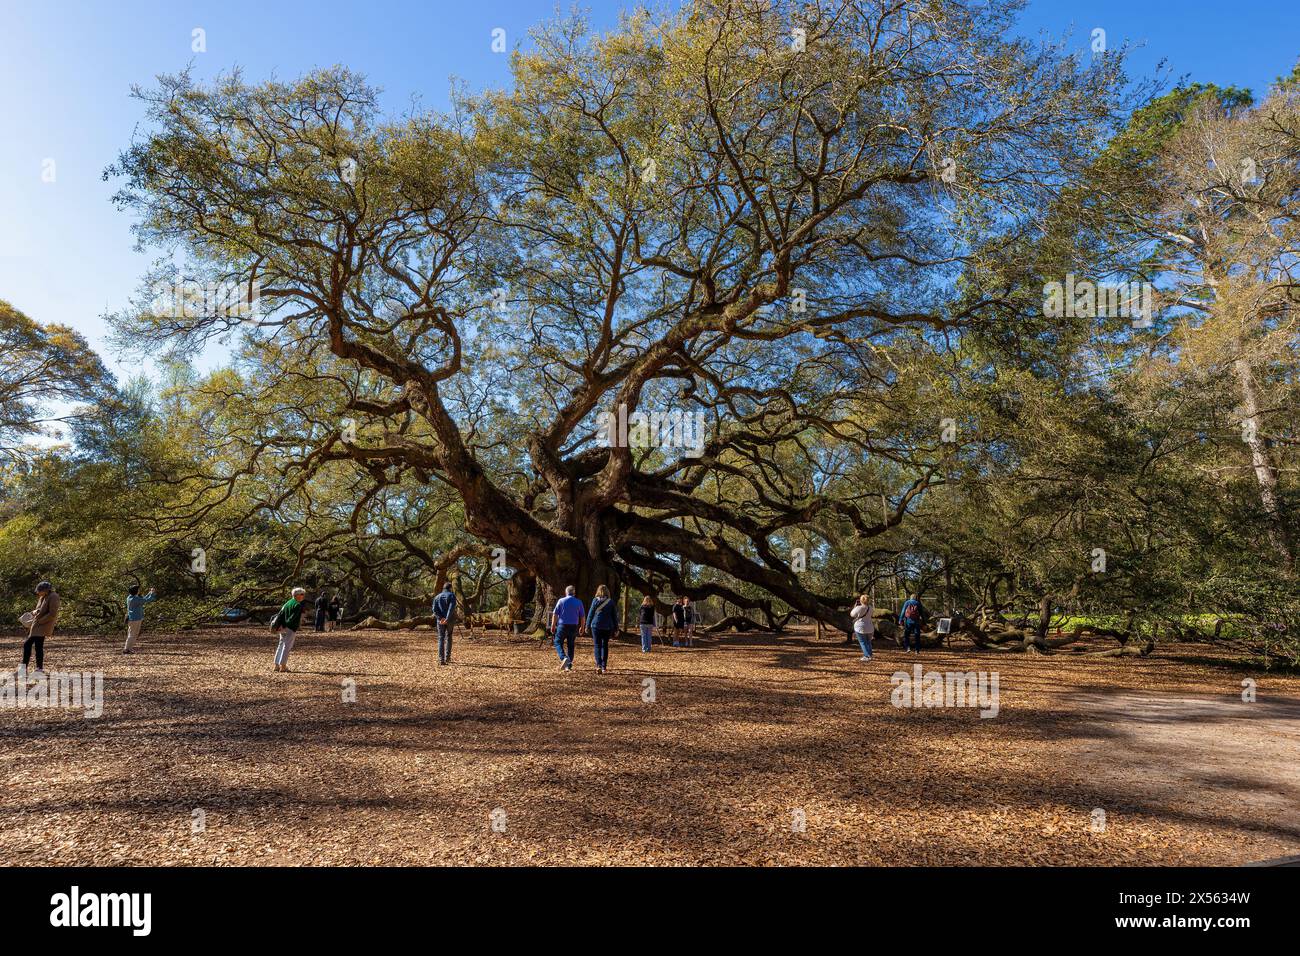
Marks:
<point>574,755</point>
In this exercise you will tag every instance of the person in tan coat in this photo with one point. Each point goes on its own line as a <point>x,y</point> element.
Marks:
<point>44,617</point>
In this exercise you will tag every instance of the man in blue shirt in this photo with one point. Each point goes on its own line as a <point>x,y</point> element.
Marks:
<point>135,614</point>
<point>566,620</point>
<point>444,606</point>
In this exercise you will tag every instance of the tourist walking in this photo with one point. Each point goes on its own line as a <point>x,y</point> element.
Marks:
<point>602,621</point>
<point>566,621</point>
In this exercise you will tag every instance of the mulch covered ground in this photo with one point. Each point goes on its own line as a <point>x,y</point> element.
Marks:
<point>754,750</point>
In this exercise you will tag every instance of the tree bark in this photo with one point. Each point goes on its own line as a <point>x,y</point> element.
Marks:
<point>520,589</point>
<point>1044,615</point>
<point>1261,457</point>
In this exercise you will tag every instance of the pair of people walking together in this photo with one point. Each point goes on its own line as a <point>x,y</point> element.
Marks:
<point>570,618</point>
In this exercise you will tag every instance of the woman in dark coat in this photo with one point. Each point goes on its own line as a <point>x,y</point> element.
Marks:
<point>602,621</point>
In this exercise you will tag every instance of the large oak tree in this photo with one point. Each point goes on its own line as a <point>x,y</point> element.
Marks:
<point>742,210</point>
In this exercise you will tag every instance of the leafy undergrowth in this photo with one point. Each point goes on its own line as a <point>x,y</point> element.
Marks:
<point>753,750</point>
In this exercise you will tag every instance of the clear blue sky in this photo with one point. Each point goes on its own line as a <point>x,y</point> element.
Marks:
<point>66,70</point>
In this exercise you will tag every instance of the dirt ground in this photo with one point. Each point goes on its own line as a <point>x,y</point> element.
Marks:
<point>752,750</point>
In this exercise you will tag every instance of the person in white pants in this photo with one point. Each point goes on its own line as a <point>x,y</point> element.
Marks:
<point>864,624</point>
<point>283,647</point>
<point>290,621</point>
<point>135,614</point>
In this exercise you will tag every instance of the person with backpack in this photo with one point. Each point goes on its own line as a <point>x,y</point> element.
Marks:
<point>287,623</point>
<point>567,620</point>
<point>647,623</point>
<point>444,607</point>
<point>864,625</point>
<point>602,621</point>
<point>910,618</point>
<point>135,614</point>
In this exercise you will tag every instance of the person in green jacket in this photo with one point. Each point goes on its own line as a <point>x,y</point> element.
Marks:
<point>290,621</point>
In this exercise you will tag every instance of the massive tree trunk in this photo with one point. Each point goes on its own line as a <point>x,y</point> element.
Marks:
<point>1044,614</point>
<point>584,574</point>
<point>1261,458</point>
<point>373,271</point>
<point>520,589</point>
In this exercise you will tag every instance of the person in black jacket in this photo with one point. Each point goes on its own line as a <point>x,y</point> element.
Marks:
<point>688,622</point>
<point>679,622</point>
<point>322,606</point>
<point>444,609</point>
<point>647,622</point>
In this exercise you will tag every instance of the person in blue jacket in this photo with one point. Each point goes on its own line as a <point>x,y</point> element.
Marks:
<point>602,621</point>
<point>135,614</point>
<point>444,609</point>
<point>909,618</point>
